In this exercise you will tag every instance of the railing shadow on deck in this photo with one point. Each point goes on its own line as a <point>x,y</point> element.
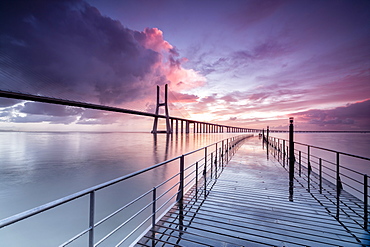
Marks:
<point>140,215</point>
<point>327,176</point>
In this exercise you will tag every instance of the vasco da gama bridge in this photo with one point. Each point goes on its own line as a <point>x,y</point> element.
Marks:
<point>173,124</point>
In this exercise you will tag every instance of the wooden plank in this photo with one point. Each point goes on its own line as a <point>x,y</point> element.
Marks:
<point>249,206</point>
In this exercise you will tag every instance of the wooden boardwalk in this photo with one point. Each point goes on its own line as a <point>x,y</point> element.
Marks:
<point>248,205</point>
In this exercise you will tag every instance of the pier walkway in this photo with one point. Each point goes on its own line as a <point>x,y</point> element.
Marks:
<point>248,205</point>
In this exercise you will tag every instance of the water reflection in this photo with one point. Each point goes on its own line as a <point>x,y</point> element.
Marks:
<point>39,167</point>
<point>155,147</point>
<point>36,168</point>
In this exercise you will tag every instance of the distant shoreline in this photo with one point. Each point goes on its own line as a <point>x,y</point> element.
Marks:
<point>271,131</point>
<point>321,131</point>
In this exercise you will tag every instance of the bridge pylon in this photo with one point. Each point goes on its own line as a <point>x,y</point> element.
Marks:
<point>155,124</point>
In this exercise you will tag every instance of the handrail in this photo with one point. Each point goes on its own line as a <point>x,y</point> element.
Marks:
<point>334,151</point>
<point>50,205</point>
<point>333,171</point>
<point>325,149</point>
<point>227,145</point>
<point>55,203</point>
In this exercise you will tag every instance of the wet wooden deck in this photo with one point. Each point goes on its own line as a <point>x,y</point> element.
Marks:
<point>249,205</point>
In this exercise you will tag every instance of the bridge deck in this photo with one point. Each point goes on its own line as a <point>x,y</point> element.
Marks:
<point>249,206</point>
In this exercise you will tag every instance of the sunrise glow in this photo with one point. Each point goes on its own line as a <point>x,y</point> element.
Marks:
<point>245,63</point>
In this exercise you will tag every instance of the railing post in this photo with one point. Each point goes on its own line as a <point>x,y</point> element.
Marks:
<point>181,205</point>
<point>196,179</point>
<point>227,151</point>
<point>205,182</point>
<point>291,160</point>
<point>211,165</point>
<point>366,220</point>
<point>308,167</point>
<point>219,157</point>
<point>216,158</point>
<point>338,186</point>
<point>216,166</point>
<point>222,153</point>
<point>91,219</point>
<point>181,178</point>
<point>300,160</point>
<point>283,152</point>
<point>205,159</point>
<point>320,174</point>
<point>278,149</point>
<point>154,209</point>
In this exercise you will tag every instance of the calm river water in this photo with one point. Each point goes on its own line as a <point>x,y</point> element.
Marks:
<point>39,167</point>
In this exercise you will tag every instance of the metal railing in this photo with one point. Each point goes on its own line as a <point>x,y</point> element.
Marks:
<point>142,213</point>
<point>328,173</point>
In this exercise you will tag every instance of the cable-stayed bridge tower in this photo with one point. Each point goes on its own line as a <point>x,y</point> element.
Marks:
<point>155,124</point>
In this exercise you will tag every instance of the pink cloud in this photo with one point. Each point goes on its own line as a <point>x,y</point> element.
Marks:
<point>168,68</point>
<point>177,97</point>
<point>153,39</point>
<point>70,50</point>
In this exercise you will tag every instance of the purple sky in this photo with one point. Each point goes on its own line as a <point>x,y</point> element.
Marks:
<point>241,63</point>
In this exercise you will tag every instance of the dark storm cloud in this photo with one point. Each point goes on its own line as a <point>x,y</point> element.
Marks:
<point>68,49</point>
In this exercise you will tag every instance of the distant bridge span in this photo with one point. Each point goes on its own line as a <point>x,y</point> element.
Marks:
<point>198,126</point>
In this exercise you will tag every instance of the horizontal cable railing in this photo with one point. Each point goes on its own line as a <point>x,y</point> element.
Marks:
<point>142,213</point>
<point>331,174</point>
